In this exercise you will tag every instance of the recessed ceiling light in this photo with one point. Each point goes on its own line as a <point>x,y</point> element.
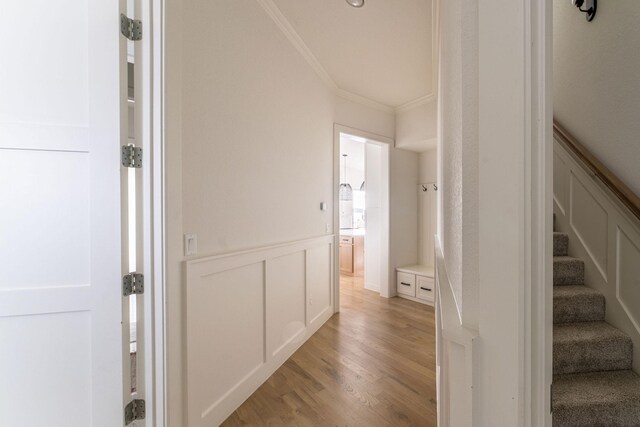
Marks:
<point>356,3</point>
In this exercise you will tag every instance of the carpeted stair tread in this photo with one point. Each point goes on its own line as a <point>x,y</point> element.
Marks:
<point>568,271</point>
<point>560,244</point>
<point>577,303</point>
<point>596,399</point>
<point>590,347</point>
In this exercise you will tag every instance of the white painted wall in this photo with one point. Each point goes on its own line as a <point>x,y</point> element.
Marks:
<point>492,77</point>
<point>403,211</point>
<point>416,127</point>
<point>596,91</point>
<point>500,393</point>
<point>458,117</point>
<point>249,151</point>
<point>359,116</point>
<point>427,207</point>
<point>429,166</point>
<point>175,295</point>
<point>249,130</point>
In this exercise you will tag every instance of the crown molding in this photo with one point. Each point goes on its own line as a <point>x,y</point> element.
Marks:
<point>354,97</point>
<point>294,38</point>
<point>298,43</point>
<point>292,35</point>
<point>415,103</point>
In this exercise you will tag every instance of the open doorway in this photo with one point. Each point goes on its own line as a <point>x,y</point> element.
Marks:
<point>363,211</point>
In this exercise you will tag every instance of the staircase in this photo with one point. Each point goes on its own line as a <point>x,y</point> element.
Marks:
<point>593,383</point>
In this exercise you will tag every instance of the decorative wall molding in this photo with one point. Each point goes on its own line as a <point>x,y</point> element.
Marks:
<point>354,97</point>
<point>604,234</point>
<point>299,44</point>
<point>246,314</point>
<point>456,353</point>
<point>292,35</point>
<point>415,103</point>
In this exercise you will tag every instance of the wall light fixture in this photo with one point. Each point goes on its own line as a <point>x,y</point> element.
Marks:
<point>590,7</point>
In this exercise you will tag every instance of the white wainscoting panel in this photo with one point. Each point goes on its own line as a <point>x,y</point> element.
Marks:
<point>589,221</point>
<point>286,301</point>
<point>455,352</point>
<point>230,308</point>
<point>605,235</point>
<point>628,273</point>
<point>560,186</point>
<point>319,296</point>
<point>247,313</point>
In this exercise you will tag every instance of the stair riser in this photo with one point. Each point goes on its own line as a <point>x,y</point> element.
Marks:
<point>596,415</point>
<point>596,399</point>
<point>568,272</point>
<point>589,308</point>
<point>560,244</point>
<point>592,356</point>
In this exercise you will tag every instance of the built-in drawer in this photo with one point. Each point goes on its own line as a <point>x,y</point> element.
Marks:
<point>424,288</point>
<point>406,284</point>
<point>346,240</point>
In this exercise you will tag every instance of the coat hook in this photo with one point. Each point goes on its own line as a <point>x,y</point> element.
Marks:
<point>424,189</point>
<point>435,187</point>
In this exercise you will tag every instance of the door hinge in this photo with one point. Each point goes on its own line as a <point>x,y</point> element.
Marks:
<point>131,156</point>
<point>132,284</point>
<point>130,28</point>
<point>551,398</point>
<point>135,410</point>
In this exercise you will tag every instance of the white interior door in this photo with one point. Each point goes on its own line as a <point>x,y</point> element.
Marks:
<point>373,209</point>
<point>60,218</point>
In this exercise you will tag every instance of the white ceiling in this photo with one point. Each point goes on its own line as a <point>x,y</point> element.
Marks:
<point>382,51</point>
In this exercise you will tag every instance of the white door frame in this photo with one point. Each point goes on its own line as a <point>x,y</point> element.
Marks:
<point>149,71</point>
<point>157,370</point>
<point>385,285</point>
<point>538,315</point>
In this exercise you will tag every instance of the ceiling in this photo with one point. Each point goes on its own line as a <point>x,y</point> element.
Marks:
<point>382,51</point>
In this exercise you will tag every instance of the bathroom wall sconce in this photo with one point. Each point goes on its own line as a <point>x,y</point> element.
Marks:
<point>590,7</point>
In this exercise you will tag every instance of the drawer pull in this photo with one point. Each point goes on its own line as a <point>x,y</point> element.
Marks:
<point>425,289</point>
<point>406,284</point>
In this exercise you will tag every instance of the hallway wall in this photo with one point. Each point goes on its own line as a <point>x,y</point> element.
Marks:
<point>254,116</point>
<point>458,132</point>
<point>596,91</point>
<point>416,128</point>
<point>427,207</point>
<point>490,149</point>
<point>245,115</point>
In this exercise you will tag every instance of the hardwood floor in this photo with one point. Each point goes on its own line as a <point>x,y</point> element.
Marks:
<point>372,364</point>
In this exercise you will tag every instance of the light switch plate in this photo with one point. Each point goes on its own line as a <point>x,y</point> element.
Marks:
<point>190,244</point>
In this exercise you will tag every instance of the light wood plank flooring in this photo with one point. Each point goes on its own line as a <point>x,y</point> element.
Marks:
<point>372,364</point>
